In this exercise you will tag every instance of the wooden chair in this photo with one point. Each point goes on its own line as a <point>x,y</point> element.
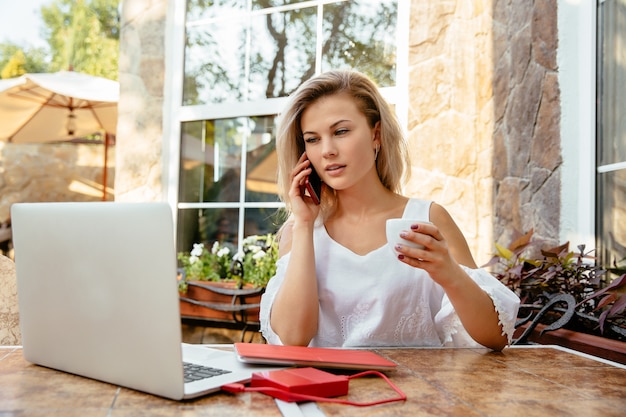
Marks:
<point>10,334</point>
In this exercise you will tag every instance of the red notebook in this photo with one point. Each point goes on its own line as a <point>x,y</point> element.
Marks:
<point>312,356</point>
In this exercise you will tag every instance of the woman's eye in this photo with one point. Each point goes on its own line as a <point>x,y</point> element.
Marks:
<point>310,139</point>
<point>340,132</point>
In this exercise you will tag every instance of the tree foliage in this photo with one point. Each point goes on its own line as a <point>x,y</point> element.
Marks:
<point>82,35</point>
<point>269,54</point>
<point>15,60</point>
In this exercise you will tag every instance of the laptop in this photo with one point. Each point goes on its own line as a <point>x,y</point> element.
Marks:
<point>98,297</point>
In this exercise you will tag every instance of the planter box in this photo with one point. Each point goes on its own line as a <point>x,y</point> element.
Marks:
<point>601,347</point>
<point>221,302</point>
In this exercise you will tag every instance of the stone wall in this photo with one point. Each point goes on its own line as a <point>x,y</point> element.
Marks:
<point>484,116</point>
<point>451,113</point>
<point>527,143</point>
<point>53,172</point>
<point>140,112</point>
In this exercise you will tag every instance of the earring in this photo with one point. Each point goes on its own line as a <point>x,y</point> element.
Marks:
<point>376,151</point>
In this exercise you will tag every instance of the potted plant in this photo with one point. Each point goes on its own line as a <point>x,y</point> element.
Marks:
<point>220,284</point>
<point>546,279</point>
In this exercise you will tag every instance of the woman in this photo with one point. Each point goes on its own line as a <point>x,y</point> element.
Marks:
<point>337,283</point>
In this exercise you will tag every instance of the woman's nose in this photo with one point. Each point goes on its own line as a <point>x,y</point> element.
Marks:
<point>328,148</point>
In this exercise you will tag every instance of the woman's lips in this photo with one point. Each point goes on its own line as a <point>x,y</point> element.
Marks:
<point>334,170</point>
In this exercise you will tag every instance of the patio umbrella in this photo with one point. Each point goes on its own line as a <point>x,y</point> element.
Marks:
<point>60,106</point>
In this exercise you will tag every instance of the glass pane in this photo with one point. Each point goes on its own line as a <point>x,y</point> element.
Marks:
<point>203,9</point>
<point>612,84</point>
<point>192,162</point>
<point>210,168</point>
<point>612,188</point>
<point>263,4</point>
<point>261,221</point>
<point>214,62</point>
<point>261,161</point>
<point>361,35</point>
<point>222,225</point>
<point>219,225</point>
<point>207,226</point>
<point>282,53</point>
<point>187,231</point>
<point>229,138</point>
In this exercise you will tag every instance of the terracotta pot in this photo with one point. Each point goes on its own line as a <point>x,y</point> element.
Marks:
<point>221,301</point>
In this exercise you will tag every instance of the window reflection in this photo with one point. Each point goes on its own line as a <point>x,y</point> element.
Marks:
<point>214,62</point>
<point>282,53</point>
<point>235,55</point>
<point>261,221</point>
<point>612,187</point>
<point>262,162</point>
<point>212,160</point>
<point>263,4</point>
<point>361,35</point>
<point>611,149</point>
<point>203,9</point>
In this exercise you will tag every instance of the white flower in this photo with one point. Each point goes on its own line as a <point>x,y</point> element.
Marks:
<point>197,250</point>
<point>254,248</point>
<point>215,248</point>
<point>193,259</point>
<point>250,240</point>
<point>223,252</point>
<point>259,255</point>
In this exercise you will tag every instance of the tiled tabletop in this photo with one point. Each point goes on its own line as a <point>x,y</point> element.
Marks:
<point>520,381</point>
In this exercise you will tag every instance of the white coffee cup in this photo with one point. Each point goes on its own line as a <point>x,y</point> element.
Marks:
<point>395,226</point>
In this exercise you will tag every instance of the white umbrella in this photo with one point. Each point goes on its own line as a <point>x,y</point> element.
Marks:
<point>56,106</point>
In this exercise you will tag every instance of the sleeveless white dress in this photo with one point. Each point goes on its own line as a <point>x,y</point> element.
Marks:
<point>375,300</point>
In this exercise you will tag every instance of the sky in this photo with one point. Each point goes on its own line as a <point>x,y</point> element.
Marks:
<point>20,22</point>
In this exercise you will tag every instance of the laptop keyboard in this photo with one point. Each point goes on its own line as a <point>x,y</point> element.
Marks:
<point>193,372</point>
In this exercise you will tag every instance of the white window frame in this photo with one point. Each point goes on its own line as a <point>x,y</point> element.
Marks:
<point>576,59</point>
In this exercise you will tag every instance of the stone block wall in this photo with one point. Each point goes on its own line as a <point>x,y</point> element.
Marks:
<point>451,114</point>
<point>484,116</point>
<point>526,137</point>
<point>140,110</point>
<point>53,172</point>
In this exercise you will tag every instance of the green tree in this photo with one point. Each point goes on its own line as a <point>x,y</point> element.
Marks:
<point>83,36</point>
<point>15,66</point>
<point>15,61</point>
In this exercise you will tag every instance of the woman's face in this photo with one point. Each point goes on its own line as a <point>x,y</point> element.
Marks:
<point>339,142</point>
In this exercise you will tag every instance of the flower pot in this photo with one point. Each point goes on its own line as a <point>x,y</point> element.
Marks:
<point>601,347</point>
<point>221,302</point>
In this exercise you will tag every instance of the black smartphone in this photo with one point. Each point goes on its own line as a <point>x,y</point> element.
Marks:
<point>313,185</point>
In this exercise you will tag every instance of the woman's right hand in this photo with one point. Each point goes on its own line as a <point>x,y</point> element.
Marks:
<point>302,206</point>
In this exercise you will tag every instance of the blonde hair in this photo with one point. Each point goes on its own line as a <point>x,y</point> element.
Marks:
<point>392,163</point>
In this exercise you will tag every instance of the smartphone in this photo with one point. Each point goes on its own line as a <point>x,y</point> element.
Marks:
<point>313,185</point>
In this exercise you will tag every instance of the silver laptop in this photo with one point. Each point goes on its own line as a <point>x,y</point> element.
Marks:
<point>98,297</point>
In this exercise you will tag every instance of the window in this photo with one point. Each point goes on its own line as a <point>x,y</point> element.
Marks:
<point>611,140</point>
<point>242,58</point>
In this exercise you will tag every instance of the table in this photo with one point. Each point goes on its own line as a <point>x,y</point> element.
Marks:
<point>520,381</point>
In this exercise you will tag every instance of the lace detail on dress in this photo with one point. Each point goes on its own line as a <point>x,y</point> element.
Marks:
<point>415,328</point>
<point>450,327</point>
<point>504,318</point>
<point>355,326</point>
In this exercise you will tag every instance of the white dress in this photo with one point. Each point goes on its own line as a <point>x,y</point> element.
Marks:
<point>376,300</point>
